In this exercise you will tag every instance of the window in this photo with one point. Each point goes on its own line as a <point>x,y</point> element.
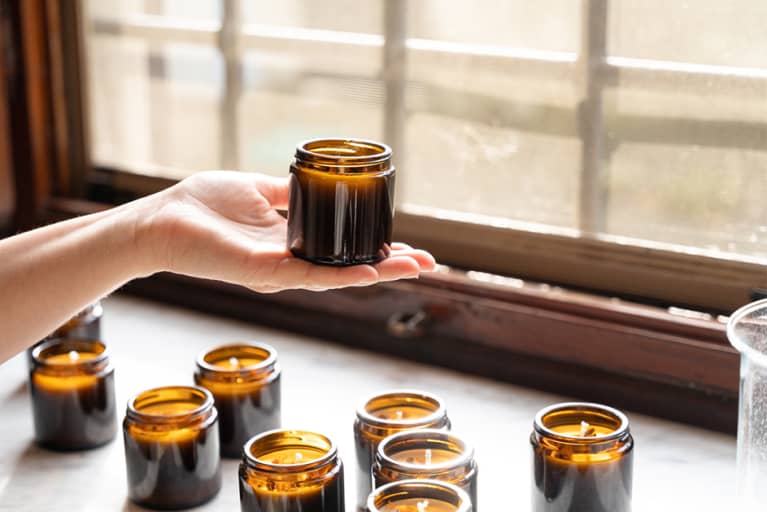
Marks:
<point>555,117</point>
<point>551,141</point>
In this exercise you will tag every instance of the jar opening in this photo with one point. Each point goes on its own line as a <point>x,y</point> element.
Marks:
<point>411,493</point>
<point>64,355</point>
<point>401,409</point>
<point>289,451</point>
<point>172,404</point>
<point>344,155</point>
<point>427,449</point>
<point>581,423</point>
<point>239,360</point>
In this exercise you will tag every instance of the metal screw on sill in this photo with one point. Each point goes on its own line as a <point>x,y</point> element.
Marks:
<point>407,324</point>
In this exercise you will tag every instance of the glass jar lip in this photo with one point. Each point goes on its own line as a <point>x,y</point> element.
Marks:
<point>369,419</point>
<point>37,351</point>
<point>465,458</point>
<point>266,363</point>
<point>401,487</point>
<point>539,424</point>
<point>251,460</point>
<point>206,405</point>
<point>381,153</point>
<point>736,338</point>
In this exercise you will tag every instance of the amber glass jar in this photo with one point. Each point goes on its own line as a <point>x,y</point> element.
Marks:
<point>341,201</point>
<point>427,454</point>
<point>418,496</point>
<point>171,447</point>
<point>73,394</point>
<point>387,414</point>
<point>582,459</point>
<point>245,382</point>
<point>291,471</point>
<point>84,325</point>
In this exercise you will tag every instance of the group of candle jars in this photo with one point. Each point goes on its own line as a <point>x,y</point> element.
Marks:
<point>408,460</point>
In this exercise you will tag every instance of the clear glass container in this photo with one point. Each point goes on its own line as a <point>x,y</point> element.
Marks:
<point>244,379</point>
<point>747,331</point>
<point>419,496</point>
<point>341,201</point>
<point>291,471</point>
<point>582,459</point>
<point>388,413</point>
<point>427,454</point>
<point>171,447</point>
<point>73,394</point>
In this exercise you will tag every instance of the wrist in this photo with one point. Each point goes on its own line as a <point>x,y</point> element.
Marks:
<point>136,220</point>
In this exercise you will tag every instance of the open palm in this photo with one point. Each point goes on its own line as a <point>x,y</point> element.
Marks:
<point>224,225</point>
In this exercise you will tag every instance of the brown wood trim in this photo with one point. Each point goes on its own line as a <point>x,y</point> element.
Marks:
<point>583,261</point>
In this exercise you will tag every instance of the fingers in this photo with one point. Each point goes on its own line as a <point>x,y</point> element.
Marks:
<point>274,189</point>
<point>425,260</point>
<point>398,267</point>
<point>296,273</point>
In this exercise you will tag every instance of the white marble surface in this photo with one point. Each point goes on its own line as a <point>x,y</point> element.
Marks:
<point>676,467</point>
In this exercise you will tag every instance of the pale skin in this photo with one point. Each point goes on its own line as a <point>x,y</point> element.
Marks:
<point>218,225</point>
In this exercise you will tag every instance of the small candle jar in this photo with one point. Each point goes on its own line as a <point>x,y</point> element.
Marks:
<point>291,471</point>
<point>427,454</point>
<point>341,201</point>
<point>582,459</point>
<point>73,394</point>
<point>387,414</point>
<point>419,496</point>
<point>84,325</point>
<point>245,382</point>
<point>171,447</point>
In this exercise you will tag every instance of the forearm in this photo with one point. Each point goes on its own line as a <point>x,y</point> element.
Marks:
<point>49,274</point>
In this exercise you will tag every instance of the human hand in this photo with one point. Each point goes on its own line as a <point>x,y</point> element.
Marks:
<point>224,225</point>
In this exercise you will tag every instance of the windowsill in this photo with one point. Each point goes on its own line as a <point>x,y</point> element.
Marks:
<point>155,344</point>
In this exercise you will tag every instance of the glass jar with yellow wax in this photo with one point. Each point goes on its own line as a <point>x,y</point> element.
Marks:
<point>582,459</point>
<point>73,394</point>
<point>419,496</point>
<point>291,471</point>
<point>386,414</point>
<point>244,379</point>
<point>427,454</point>
<point>171,447</point>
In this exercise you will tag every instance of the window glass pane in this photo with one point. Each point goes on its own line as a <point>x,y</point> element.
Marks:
<point>714,32</point>
<point>341,15</point>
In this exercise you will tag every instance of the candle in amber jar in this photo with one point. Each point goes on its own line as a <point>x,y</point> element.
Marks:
<point>427,454</point>
<point>171,447</point>
<point>582,459</point>
<point>84,325</point>
<point>387,414</point>
<point>245,382</point>
<point>341,201</point>
<point>73,394</point>
<point>419,496</point>
<point>291,471</point>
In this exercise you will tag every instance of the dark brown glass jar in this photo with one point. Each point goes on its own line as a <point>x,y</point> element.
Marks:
<point>386,414</point>
<point>171,447</point>
<point>84,325</point>
<point>291,471</point>
<point>341,201</point>
<point>245,382</point>
<point>418,496</point>
<point>73,394</point>
<point>427,454</point>
<point>582,459</point>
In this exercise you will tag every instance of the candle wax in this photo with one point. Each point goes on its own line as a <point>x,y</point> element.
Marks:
<point>418,505</point>
<point>401,412</point>
<point>297,455</point>
<point>420,456</point>
<point>237,363</point>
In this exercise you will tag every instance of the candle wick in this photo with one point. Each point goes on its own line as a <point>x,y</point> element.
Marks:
<point>73,355</point>
<point>234,362</point>
<point>586,429</point>
<point>422,505</point>
<point>299,456</point>
<point>428,457</point>
<point>399,415</point>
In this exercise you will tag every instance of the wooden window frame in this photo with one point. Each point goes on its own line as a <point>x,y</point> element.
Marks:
<point>649,358</point>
